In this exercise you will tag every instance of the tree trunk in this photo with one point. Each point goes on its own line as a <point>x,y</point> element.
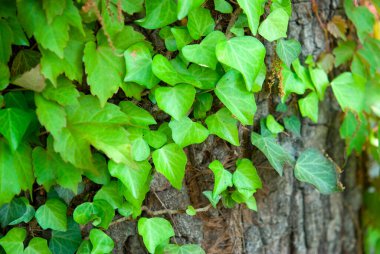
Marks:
<point>292,216</point>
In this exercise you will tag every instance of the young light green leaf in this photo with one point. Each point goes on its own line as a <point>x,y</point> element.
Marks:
<point>170,160</point>
<point>273,125</point>
<point>140,149</point>
<point>155,139</point>
<point>253,10</point>
<point>245,54</point>
<point>209,196</point>
<point>100,212</point>
<point>184,249</point>
<point>320,81</point>
<point>224,126</point>
<point>103,66</point>
<point>354,130</point>
<point>64,93</point>
<point>16,171</point>
<point>52,215</point>
<point>138,116</point>
<point>85,247</point>
<point>232,92</point>
<point>293,124</point>
<point>182,36</point>
<point>206,76</point>
<point>275,25</point>
<point>309,106</point>
<point>158,14</point>
<point>200,23</point>
<point>18,210</point>
<point>176,101</point>
<point>155,232</point>
<point>190,210</point>
<point>204,53</point>
<point>138,61</point>
<point>12,242</point>
<point>185,6</point>
<point>37,246</point>
<point>312,167</point>
<point>186,132</point>
<point>223,6</point>
<point>288,50</point>
<point>101,243</point>
<point>274,152</point>
<point>349,91</point>
<point>66,242</point>
<point>245,177</point>
<point>223,178</point>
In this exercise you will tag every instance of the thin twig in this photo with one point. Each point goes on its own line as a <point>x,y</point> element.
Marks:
<point>171,211</point>
<point>233,19</point>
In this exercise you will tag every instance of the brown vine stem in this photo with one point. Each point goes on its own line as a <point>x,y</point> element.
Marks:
<point>233,19</point>
<point>160,212</point>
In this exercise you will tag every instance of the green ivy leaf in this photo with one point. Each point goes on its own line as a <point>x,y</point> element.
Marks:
<point>312,167</point>
<point>52,215</point>
<point>245,176</point>
<point>190,210</point>
<point>202,104</point>
<point>66,242</point>
<point>37,246</point>
<point>303,74</point>
<point>349,90</point>
<point>135,178</point>
<point>293,124</point>
<point>309,106</point>
<point>167,72</point>
<point>138,61</point>
<point>176,101</point>
<point>103,66</point>
<point>170,160</point>
<point>245,54</point>
<point>15,170</point>
<point>232,92</point>
<point>223,178</point>
<point>155,139</point>
<point>253,10</point>
<point>320,81</point>
<point>50,169</point>
<point>127,36</point>
<point>362,18</point>
<point>224,126</point>
<point>275,154</point>
<point>181,35</point>
<point>223,6</point>
<point>284,4</point>
<point>209,196</point>
<point>155,232</point>
<point>6,38</point>
<point>344,52</point>
<point>185,6</point>
<point>90,124</point>
<point>85,247</point>
<point>14,125</point>
<point>167,35</point>
<point>53,9</point>
<point>101,243</point>
<point>288,50</point>
<point>354,130</point>
<point>186,132</point>
<point>140,149</point>
<point>275,25</point>
<point>65,92</point>
<point>184,249</point>
<point>71,63</point>
<point>12,242</point>
<point>137,115</point>
<point>273,125</point>
<point>206,76</point>
<point>4,76</point>
<point>158,14</point>
<point>200,23</point>
<point>204,53</point>
<point>18,210</point>
<point>100,212</point>
<point>110,193</point>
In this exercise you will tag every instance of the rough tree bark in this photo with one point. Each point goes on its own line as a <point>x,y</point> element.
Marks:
<point>292,217</point>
